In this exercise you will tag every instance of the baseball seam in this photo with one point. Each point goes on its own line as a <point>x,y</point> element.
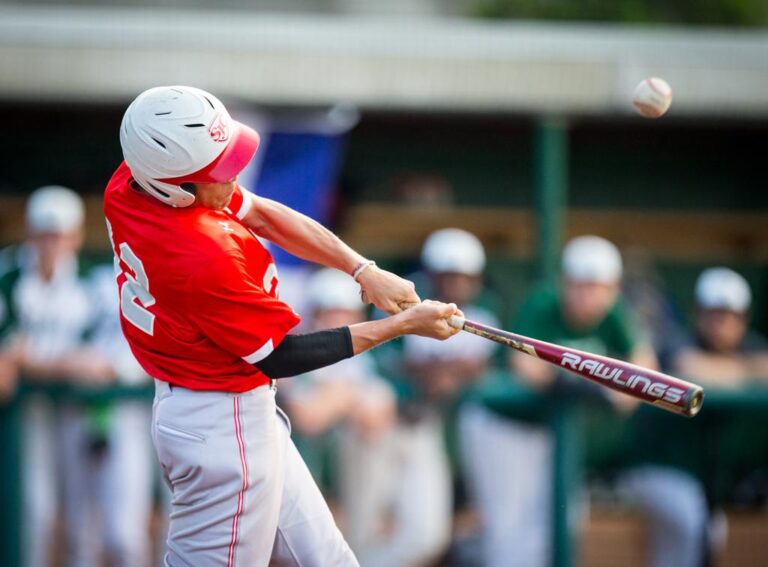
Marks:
<point>656,89</point>
<point>648,109</point>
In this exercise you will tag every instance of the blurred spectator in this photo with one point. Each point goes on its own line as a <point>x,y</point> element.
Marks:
<point>47,315</point>
<point>50,308</point>
<point>645,291</point>
<point>347,402</point>
<point>666,482</point>
<point>123,479</point>
<point>725,352</point>
<point>421,486</point>
<point>508,452</point>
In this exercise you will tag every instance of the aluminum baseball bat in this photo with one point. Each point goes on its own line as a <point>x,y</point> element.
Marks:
<point>661,390</point>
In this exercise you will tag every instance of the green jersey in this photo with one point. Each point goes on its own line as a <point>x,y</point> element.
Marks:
<point>58,316</point>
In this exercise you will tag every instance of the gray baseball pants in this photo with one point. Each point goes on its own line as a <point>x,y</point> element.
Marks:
<point>241,494</point>
<point>676,506</point>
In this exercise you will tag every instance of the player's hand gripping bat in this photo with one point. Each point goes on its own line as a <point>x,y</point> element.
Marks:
<point>666,392</point>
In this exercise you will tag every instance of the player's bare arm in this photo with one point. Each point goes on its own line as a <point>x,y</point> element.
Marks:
<point>308,239</point>
<point>427,319</point>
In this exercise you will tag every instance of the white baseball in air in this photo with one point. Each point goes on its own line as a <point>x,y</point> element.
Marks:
<point>652,97</point>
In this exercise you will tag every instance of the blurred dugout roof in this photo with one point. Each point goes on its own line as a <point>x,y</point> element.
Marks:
<point>92,54</point>
<point>426,8</point>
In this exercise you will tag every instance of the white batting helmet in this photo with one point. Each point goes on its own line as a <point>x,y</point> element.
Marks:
<point>592,259</point>
<point>54,208</point>
<point>175,135</point>
<point>722,288</point>
<point>453,250</point>
<point>331,289</point>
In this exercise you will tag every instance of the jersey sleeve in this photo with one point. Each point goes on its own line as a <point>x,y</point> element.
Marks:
<point>231,308</point>
<point>240,202</point>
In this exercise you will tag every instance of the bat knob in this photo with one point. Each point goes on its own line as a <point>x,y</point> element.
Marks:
<point>456,322</point>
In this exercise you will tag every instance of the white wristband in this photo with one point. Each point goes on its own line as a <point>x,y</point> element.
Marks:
<point>361,268</point>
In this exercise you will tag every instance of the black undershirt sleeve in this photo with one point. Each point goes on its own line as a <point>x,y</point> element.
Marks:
<point>297,354</point>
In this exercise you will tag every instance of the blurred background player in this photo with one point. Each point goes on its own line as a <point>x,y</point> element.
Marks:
<point>724,352</point>
<point>429,381</point>
<point>62,324</point>
<point>668,482</point>
<point>49,312</point>
<point>343,415</point>
<point>507,454</point>
<point>123,478</point>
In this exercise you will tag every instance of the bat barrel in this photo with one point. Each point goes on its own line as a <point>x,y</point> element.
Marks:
<point>661,390</point>
<point>688,404</point>
<point>656,388</point>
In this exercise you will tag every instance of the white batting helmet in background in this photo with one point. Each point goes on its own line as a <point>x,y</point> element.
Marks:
<point>176,135</point>
<point>721,288</point>
<point>332,289</point>
<point>453,250</point>
<point>54,208</point>
<point>591,259</point>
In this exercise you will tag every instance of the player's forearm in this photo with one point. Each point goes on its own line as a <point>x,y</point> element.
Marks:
<point>300,235</point>
<point>297,354</point>
<point>367,335</point>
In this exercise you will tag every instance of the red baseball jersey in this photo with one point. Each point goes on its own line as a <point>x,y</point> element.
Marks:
<point>198,291</point>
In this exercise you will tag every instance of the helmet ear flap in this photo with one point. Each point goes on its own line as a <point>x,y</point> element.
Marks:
<point>173,195</point>
<point>189,188</point>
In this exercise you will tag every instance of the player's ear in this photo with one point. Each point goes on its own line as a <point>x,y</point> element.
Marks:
<point>189,188</point>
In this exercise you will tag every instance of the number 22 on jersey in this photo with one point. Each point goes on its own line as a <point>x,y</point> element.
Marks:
<point>135,297</point>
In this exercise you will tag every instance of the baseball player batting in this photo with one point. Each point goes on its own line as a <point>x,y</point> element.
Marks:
<point>200,308</point>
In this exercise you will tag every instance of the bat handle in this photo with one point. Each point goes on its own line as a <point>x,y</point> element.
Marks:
<point>454,320</point>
